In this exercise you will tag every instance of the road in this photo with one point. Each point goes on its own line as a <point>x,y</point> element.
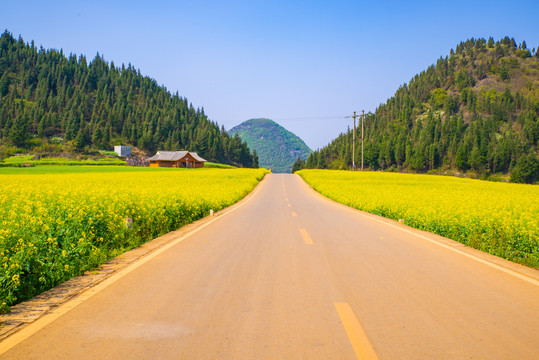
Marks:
<point>292,275</point>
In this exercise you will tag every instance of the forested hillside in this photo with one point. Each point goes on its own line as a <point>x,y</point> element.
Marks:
<point>50,102</point>
<point>276,147</point>
<point>474,111</point>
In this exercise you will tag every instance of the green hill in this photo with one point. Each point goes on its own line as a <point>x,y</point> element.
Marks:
<point>55,104</point>
<point>475,111</point>
<point>276,147</point>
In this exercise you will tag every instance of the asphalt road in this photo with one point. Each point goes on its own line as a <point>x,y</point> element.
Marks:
<point>291,275</point>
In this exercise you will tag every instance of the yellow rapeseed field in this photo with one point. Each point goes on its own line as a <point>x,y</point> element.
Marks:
<point>499,218</point>
<point>56,225</point>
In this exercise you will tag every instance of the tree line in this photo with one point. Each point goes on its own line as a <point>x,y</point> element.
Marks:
<point>475,110</point>
<point>46,96</point>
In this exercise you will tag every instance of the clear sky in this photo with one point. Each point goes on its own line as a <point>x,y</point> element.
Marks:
<point>305,64</point>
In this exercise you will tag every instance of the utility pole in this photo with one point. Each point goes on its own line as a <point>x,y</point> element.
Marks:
<point>362,128</point>
<point>354,145</point>
<point>354,138</point>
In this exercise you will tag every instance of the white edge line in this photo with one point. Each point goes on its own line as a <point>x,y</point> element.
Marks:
<point>456,250</point>
<point>468,255</point>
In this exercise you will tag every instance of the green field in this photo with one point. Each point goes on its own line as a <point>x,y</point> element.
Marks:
<point>218,166</point>
<point>58,221</point>
<point>498,218</point>
<point>27,161</point>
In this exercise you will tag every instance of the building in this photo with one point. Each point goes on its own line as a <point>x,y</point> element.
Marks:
<point>122,150</point>
<point>177,159</point>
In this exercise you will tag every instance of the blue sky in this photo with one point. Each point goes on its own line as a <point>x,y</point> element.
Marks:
<point>305,64</point>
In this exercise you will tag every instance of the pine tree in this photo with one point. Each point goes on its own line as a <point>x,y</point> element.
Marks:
<point>298,165</point>
<point>526,169</point>
<point>79,140</point>
<point>255,160</point>
<point>18,134</point>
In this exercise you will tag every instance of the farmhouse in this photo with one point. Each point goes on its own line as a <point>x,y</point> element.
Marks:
<point>177,159</point>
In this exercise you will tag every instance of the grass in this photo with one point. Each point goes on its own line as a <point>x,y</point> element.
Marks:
<point>27,160</point>
<point>218,166</point>
<point>67,169</point>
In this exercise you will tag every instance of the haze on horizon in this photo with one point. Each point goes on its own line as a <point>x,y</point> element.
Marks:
<point>304,64</point>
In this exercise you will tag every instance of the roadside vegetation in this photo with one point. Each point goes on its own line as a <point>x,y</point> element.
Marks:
<point>57,222</point>
<point>498,218</point>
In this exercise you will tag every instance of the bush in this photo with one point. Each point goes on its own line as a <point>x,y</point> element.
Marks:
<point>526,170</point>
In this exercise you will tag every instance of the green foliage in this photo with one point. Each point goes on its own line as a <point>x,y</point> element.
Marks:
<point>523,53</point>
<point>255,160</point>
<point>438,97</point>
<point>526,170</point>
<point>476,111</point>
<point>46,94</point>
<point>504,74</point>
<point>18,132</point>
<point>276,147</point>
<point>108,153</point>
<point>298,165</point>
<point>79,140</point>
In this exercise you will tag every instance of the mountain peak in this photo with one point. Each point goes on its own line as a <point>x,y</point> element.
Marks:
<point>276,147</point>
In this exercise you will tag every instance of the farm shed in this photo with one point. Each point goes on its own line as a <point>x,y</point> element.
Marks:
<point>122,150</point>
<point>177,159</point>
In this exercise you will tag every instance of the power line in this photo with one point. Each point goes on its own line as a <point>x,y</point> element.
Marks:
<point>310,118</point>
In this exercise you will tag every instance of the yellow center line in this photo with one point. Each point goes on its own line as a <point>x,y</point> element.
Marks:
<point>286,199</point>
<point>355,332</point>
<point>289,205</point>
<point>306,237</point>
<point>294,214</point>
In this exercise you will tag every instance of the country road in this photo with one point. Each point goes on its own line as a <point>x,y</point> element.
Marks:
<point>292,275</point>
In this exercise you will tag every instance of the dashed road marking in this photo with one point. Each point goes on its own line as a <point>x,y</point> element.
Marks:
<point>356,334</point>
<point>306,237</point>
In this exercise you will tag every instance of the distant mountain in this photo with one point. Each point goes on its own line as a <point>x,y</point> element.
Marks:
<point>276,147</point>
<point>475,111</point>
